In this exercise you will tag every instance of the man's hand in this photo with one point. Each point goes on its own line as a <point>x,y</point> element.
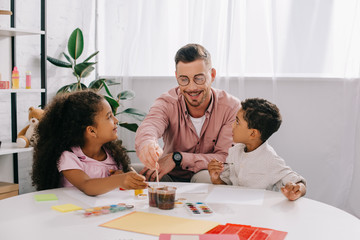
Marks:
<point>293,191</point>
<point>150,153</point>
<point>215,167</point>
<point>166,164</point>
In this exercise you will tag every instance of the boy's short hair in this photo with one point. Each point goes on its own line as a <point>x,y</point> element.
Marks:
<point>192,52</point>
<point>262,115</point>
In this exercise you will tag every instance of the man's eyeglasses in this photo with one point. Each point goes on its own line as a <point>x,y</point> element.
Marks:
<point>199,79</point>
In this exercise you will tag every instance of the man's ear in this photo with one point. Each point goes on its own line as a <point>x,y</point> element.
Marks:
<point>213,74</point>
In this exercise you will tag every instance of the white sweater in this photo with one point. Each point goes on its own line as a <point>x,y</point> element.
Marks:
<point>261,168</point>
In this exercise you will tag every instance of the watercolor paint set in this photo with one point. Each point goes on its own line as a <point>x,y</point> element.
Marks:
<point>97,211</point>
<point>198,209</point>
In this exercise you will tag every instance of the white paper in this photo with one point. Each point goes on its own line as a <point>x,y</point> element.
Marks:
<point>236,196</point>
<point>188,188</point>
<point>113,197</point>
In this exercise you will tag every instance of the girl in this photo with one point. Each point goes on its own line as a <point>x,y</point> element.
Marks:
<point>77,146</point>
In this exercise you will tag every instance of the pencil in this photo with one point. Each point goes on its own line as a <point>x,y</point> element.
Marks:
<point>228,163</point>
<point>132,169</point>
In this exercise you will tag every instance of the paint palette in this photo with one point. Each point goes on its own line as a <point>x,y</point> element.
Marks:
<point>198,209</point>
<point>97,211</point>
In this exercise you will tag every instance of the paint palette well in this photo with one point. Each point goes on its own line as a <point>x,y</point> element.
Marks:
<point>198,209</point>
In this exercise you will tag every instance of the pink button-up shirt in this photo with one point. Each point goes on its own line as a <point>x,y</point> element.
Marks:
<point>169,118</point>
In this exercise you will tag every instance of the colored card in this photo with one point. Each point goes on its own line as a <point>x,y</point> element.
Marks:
<point>66,207</point>
<point>155,224</point>
<point>45,197</point>
<point>198,237</point>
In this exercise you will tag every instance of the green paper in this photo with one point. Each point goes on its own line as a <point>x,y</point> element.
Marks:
<point>45,197</point>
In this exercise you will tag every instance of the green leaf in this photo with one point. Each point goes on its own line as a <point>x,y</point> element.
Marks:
<point>58,62</point>
<point>130,126</point>
<point>111,82</point>
<point>92,55</point>
<point>113,103</point>
<point>63,89</point>
<point>76,44</point>
<point>126,95</point>
<point>96,84</point>
<point>135,113</point>
<point>106,88</point>
<point>82,67</point>
<point>86,72</point>
<point>68,58</point>
<point>77,87</point>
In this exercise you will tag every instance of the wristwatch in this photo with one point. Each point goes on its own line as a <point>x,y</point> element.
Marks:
<point>177,157</point>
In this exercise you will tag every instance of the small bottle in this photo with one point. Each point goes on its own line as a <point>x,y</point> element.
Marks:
<point>15,78</point>
<point>28,80</point>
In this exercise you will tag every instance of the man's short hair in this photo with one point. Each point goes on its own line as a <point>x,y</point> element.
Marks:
<point>192,52</point>
<point>262,115</point>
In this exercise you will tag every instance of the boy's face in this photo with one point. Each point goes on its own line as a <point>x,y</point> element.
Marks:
<point>241,132</point>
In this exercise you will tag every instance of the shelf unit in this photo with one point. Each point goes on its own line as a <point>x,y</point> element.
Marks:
<point>13,33</point>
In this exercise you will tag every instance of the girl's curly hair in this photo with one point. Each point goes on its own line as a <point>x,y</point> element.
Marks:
<point>62,127</point>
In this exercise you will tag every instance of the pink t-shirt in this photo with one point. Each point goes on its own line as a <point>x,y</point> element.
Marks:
<point>78,160</point>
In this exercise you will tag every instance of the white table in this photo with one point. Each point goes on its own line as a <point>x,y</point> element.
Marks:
<point>22,217</point>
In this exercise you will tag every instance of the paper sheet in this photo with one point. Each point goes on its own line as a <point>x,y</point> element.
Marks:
<point>189,188</point>
<point>155,224</point>
<point>45,197</point>
<point>236,196</point>
<point>113,197</point>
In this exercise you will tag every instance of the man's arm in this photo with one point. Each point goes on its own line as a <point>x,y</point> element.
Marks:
<point>150,130</point>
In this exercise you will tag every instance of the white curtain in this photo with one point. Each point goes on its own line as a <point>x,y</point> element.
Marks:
<point>302,55</point>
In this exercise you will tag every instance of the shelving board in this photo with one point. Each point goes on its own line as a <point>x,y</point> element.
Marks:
<point>22,90</point>
<point>11,32</point>
<point>9,148</point>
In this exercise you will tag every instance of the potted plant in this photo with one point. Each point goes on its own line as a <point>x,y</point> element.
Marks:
<point>83,69</point>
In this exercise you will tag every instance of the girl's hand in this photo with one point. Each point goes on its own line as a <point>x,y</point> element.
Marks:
<point>215,168</point>
<point>114,172</point>
<point>132,180</point>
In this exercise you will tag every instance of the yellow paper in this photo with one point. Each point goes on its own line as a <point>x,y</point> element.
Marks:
<point>155,224</point>
<point>66,207</point>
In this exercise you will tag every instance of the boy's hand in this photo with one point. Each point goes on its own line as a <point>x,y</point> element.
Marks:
<point>215,167</point>
<point>293,191</point>
<point>132,180</point>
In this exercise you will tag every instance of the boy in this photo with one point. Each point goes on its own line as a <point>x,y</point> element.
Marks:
<point>252,162</point>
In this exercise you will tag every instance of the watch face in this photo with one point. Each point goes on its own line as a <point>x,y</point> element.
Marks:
<point>177,156</point>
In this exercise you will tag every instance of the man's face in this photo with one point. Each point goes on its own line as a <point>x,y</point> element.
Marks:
<point>196,95</point>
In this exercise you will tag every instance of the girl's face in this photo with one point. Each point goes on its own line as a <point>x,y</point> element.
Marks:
<point>105,123</point>
<point>241,132</point>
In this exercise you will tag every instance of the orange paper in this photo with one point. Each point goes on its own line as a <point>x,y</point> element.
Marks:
<point>155,224</point>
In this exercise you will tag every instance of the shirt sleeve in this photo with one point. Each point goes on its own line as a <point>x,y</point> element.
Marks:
<point>69,160</point>
<point>153,126</point>
<point>283,174</point>
<point>225,175</point>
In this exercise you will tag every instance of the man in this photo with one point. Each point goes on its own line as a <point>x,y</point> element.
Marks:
<point>193,119</point>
